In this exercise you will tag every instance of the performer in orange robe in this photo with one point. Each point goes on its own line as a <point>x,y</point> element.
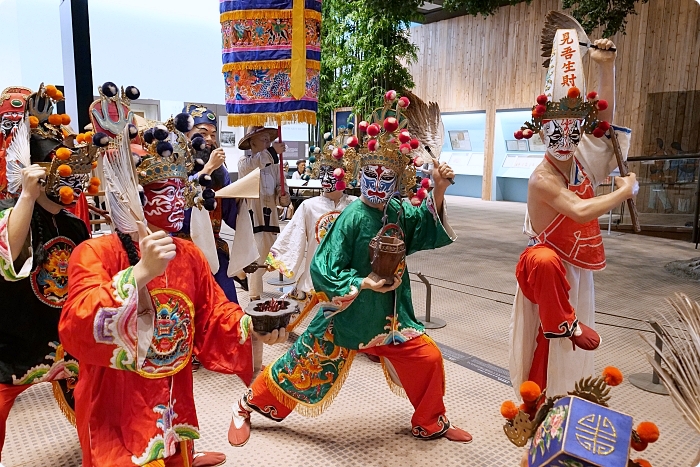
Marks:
<point>137,310</point>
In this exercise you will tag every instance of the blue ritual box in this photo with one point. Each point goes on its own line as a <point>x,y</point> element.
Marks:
<point>579,433</point>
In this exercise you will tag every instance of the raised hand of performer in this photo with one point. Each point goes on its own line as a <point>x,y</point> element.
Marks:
<point>279,147</point>
<point>33,179</point>
<point>380,285</point>
<point>157,250</point>
<point>442,174</point>
<point>628,185</point>
<point>216,160</point>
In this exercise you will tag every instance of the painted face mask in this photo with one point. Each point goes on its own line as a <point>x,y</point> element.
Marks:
<point>377,183</point>
<point>562,137</point>
<point>165,204</point>
<point>325,175</point>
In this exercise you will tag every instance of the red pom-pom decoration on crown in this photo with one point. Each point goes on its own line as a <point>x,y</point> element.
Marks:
<point>391,124</point>
<point>573,92</point>
<point>602,104</point>
<point>373,130</point>
<point>362,126</point>
<point>372,145</point>
<point>542,99</point>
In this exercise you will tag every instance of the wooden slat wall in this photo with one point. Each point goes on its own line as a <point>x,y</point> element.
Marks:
<point>475,63</point>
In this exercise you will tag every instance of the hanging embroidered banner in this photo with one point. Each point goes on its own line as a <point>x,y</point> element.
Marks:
<point>271,51</point>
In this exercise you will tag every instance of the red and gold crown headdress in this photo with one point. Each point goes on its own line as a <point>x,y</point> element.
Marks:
<point>387,142</point>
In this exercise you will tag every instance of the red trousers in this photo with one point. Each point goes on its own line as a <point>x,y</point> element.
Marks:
<point>419,366</point>
<point>542,278</point>
<point>8,394</point>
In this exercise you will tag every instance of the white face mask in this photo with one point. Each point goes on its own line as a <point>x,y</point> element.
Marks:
<point>562,137</point>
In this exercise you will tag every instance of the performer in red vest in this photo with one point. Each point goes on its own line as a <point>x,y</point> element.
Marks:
<point>552,326</point>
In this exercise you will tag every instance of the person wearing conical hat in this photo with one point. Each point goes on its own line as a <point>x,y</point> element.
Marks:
<point>44,170</point>
<point>142,302</point>
<point>357,310</point>
<point>552,326</point>
<point>263,155</point>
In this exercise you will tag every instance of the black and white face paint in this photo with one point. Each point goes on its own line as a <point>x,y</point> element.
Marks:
<point>562,137</point>
<point>325,175</point>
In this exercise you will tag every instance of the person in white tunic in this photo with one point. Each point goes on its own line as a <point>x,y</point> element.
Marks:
<point>262,212</point>
<point>292,252</point>
<point>552,330</point>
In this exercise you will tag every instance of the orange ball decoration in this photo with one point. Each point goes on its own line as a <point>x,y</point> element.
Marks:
<point>573,92</point>
<point>93,190</point>
<point>66,194</point>
<point>612,376</point>
<point>530,391</point>
<point>643,462</point>
<point>95,181</point>
<point>648,432</point>
<point>33,121</point>
<point>58,95</point>
<point>94,165</point>
<point>55,119</point>
<point>63,154</point>
<point>65,119</point>
<point>51,90</point>
<point>509,410</point>
<point>64,171</point>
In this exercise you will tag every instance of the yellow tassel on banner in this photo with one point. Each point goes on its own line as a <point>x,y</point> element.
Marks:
<point>68,412</point>
<point>298,77</point>
<point>312,14</point>
<point>269,65</point>
<point>308,410</point>
<point>273,118</point>
<point>255,14</point>
<point>155,463</point>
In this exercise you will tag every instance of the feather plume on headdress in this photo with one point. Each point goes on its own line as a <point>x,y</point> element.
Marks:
<point>121,185</point>
<point>680,334</point>
<point>18,157</point>
<point>425,123</point>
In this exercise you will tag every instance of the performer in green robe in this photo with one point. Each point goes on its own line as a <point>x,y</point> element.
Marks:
<point>358,311</point>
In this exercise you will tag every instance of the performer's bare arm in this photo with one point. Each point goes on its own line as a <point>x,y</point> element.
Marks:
<point>549,189</point>
<point>441,176</point>
<point>20,219</point>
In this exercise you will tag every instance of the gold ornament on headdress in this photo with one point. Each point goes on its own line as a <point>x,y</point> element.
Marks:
<point>154,167</point>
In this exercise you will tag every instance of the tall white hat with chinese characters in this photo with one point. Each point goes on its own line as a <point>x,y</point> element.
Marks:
<point>565,66</point>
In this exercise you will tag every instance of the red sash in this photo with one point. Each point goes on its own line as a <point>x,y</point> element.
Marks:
<point>578,244</point>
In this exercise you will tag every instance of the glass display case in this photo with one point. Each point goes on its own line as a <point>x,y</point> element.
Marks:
<point>514,160</point>
<point>463,150</point>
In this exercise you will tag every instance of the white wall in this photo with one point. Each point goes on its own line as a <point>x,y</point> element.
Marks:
<point>169,49</point>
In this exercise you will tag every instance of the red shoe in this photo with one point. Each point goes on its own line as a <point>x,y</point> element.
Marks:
<point>208,459</point>
<point>458,435</point>
<point>588,339</point>
<point>239,429</point>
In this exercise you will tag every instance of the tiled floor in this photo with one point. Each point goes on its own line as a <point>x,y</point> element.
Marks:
<point>473,286</point>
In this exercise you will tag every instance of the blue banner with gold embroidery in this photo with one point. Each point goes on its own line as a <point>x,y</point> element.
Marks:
<point>271,53</point>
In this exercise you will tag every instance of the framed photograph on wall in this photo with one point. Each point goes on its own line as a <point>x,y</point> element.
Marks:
<point>341,117</point>
<point>460,140</point>
<point>536,143</point>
